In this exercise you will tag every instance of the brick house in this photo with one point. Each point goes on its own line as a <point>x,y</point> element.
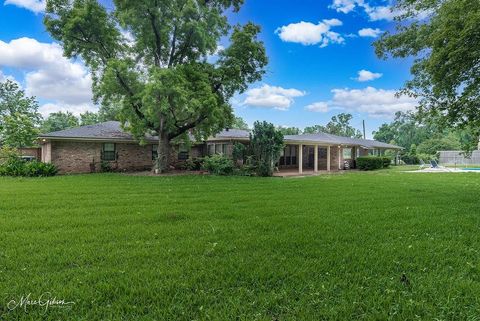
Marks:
<point>84,149</point>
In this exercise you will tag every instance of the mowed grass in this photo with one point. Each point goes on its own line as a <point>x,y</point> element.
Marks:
<point>232,248</point>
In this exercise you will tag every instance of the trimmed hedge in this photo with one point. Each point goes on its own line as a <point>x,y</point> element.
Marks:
<point>370,163</point>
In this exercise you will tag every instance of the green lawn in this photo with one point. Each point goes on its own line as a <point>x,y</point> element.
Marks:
<point>232,248</point>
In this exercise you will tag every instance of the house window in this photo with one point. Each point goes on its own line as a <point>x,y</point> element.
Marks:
<point>109,152</point>
<point>183,152</point>
<point>215,148</point>
<point>347,153</point>
<point>357,151</point>
<point>154,152</point>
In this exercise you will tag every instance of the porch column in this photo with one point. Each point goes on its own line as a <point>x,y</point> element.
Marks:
<point>339,157</point>
<point>328,158</point>
<point>315,159</point>
<point>300,158</point>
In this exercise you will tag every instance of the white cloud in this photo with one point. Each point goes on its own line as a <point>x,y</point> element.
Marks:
<point>375,102</point>
<point>365,75</point>
<point>319,107</point>
<point>272,97</point>
<point>375,13</point>
<point>308,33</point>
<point>32,5</point>
<point>49,75</point>
<point>344,6</point>
<point>369,32</point>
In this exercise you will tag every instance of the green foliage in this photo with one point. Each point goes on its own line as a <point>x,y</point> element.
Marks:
<point>159,74</point>
<point>193,164</point>
<point>266,143</point>
<point>59,121</point>
<point>370,163</point>
<point>18,116</point>
<point>239,123</point>
<point>239,152</point>
<point>218,165</point>
<point>387,161</point>
<point>11,164</point>
<point>89,118</point>
<point>39,169</point>
<point>434,145</point>
<point>105,167</point>
<point>446,48</point>
<point>289,130</point>
<point>339,125</point>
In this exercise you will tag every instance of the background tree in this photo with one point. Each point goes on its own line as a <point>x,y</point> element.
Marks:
<point>18,116</point>
<point>405,130</point>
<point>59,121</point>
<point>446,48</point>
<point>89,118</point>
<point>266,143</point>
<point>338,125</point>
<point>289,130</point>
<point>239,123</point>
<point>150,56</point>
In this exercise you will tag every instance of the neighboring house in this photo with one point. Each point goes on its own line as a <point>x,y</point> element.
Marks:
<point>84,149</point>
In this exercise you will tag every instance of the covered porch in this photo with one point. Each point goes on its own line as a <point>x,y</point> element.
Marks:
<point>302,158</point>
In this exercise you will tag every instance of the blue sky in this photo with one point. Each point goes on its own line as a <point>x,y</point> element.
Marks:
<point>316,50</point>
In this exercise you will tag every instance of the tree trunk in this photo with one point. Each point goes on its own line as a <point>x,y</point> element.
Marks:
<point>163,151</point>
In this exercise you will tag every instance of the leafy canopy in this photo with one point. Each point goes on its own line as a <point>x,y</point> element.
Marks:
<point>154,58</point>
<point>339,125</point>
<point>18,116</point>
<point>446,48</point>
<point>59,121</point>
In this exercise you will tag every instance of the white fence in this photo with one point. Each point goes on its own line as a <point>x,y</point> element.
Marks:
<point>458,158</point>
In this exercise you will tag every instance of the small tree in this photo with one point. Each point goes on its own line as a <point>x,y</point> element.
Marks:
<point>18,116</point>
<point>266,144</point>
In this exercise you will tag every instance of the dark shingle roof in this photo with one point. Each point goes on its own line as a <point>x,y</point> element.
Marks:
<point>240,134</point>
<point>107,130</point>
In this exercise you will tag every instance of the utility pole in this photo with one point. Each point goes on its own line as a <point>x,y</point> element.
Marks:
<point>364,136</point>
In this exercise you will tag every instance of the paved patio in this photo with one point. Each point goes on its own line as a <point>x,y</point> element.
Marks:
<point>294,173</point>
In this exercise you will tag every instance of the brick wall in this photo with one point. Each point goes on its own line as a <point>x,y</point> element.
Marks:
<point>30,151</point>
<point>85,157</point>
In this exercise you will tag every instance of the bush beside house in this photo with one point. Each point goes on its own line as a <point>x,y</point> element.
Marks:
<point>369,163</point>
<point>11,164</point>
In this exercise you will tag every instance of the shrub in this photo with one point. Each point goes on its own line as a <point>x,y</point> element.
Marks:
<point>369,163</point>
<point>218,165</point>
<point>193,164</point>
<point>386,161</point>
<point>39,169</point>
<point>105,167</point>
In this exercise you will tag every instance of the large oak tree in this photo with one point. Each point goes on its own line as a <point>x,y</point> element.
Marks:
<point>444,38</point>
<point>154,57</point>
